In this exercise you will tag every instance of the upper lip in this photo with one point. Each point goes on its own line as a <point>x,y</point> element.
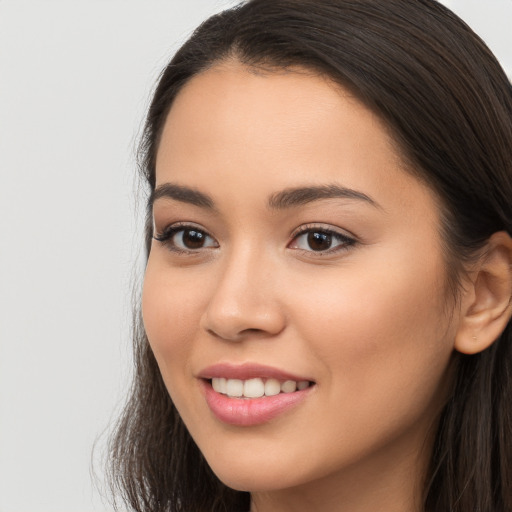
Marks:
<point>247,371</point>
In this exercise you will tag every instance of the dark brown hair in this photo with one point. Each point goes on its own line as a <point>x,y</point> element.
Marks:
<point>448,105</point>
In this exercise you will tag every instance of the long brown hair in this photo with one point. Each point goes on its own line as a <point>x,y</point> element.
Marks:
<point>448,105</point>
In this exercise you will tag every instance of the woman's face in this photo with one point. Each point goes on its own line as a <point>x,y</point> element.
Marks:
<point>294,247</point>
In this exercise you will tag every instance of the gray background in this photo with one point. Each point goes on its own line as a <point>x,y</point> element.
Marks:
<point>75,77</point>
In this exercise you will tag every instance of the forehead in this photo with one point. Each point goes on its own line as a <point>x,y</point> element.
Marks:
<point>233,129</point>
<point>273,108</point>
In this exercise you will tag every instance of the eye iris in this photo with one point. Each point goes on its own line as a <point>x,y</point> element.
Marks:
<point>319,241</point>
<point>193,239</point>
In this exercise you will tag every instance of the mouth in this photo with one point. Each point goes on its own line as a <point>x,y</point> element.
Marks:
<point>248,395</point>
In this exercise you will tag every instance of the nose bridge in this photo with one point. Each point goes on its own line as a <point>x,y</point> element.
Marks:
<point>245,298</point>
<point>243,263</point>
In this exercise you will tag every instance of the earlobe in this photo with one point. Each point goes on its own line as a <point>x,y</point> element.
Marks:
<point>488,305</point>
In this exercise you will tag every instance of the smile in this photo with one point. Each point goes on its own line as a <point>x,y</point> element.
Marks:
<point>251,394</point>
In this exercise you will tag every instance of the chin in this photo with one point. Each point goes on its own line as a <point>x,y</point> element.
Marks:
<point>253,479</point>
<point>261,471</point>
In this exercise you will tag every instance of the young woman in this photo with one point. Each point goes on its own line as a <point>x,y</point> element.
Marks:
<point>326,305</point>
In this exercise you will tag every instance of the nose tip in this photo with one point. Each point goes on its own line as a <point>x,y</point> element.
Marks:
<point>243,304</point>
<point>241,322</point>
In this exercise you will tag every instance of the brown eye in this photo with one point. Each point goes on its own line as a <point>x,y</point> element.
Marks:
<point>186,239</point>
<point>319,241</point>
<point>192,238</point>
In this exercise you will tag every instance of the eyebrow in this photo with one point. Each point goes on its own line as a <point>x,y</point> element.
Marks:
<point>287,198</point>
<point>291,197</point>
<point>183,194</point>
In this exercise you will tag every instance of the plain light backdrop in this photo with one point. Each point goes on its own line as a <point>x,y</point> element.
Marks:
<point>75,80</point>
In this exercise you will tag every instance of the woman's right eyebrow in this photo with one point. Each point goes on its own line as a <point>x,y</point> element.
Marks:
<point>183,194</point>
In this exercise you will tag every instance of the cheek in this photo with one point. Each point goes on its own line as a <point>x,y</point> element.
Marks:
<point>171,307</point>
<point>382,334</point>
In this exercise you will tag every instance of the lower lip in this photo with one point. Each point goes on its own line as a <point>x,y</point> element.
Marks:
<point>246,412</point>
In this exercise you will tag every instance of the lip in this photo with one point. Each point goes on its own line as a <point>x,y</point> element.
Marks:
<point>248,371</point>
<point>247,412</point>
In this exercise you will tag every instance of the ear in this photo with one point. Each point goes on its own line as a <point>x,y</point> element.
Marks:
<point>487,301</point>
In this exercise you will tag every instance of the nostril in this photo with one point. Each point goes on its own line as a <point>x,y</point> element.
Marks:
<point>251,333</point>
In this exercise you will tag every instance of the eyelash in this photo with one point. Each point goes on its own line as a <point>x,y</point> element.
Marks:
<point>345,241</point>
<point>167,235</point>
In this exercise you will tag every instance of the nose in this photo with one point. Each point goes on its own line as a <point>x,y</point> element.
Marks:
<point>244,302</point>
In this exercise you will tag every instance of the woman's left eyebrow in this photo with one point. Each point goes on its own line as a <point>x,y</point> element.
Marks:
<point>291,197</point>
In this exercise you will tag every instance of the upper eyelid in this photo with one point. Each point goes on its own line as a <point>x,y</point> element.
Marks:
<point>180,225</point>
<point>328,228</point>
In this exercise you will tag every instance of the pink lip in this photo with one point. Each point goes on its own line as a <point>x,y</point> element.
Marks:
<point>254,411</point>
<point>247,371</point>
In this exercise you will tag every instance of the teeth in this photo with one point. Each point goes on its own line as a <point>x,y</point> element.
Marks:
<point>272,387</point>
<point>234,387</point>
<point>256,388</point>
<point>303,384</point>
<point>219,385</point>
<point>288,386</point>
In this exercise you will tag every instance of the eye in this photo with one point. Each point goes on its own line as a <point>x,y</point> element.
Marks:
<point>320,240</point>
<point>185,238</point>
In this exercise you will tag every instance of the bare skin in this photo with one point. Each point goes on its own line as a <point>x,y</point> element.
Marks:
<point>364,314</point>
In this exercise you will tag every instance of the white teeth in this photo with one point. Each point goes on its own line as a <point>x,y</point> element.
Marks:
<point>288,386</point>
<point>256,388</point>
<point>272,387</point>
<point>234,387</point>
<point>219,385</point>
<point>303,384</point>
